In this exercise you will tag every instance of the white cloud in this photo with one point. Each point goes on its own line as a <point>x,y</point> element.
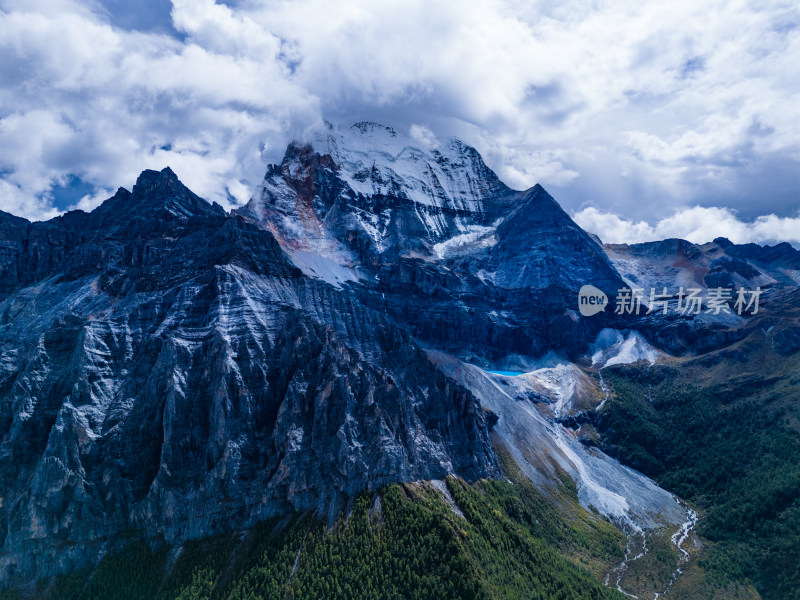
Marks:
<point>89,202</point>
<point>423,136</point>
<point>635,107</point>
<point>17,202</point>
<point>86,99</point>
<point>697,224</point>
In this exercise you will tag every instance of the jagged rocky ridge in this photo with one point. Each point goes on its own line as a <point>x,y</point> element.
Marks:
<point>675,263</point>
<point>168,369</point>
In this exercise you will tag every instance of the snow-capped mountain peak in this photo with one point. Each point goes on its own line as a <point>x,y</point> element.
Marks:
<point>376,159</point>
<point>354,194</point>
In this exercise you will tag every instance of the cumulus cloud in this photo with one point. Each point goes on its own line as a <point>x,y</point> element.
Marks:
<point>697,224</point>
<point>634,107</point>
<point>83,98</point>
<point>423,136</point>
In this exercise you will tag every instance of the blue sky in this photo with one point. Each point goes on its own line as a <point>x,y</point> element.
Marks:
<point>644,120</point>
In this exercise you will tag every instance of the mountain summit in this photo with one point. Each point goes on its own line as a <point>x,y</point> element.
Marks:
<point>179,371</point>
<point>369,192</point>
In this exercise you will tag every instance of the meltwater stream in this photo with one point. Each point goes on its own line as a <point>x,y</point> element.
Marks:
<point>536,440</point>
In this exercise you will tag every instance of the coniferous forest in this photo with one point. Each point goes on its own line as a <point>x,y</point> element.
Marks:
<point>505,539</point>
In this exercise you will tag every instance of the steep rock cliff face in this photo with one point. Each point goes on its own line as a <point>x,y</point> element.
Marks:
<point>171,371</point>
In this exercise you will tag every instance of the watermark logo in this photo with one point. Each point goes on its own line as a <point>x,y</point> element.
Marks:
<point>591,300</point>
<point>691,301</point>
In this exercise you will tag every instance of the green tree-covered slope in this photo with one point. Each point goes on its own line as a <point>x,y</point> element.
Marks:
<point>722,431</point>
<point>513,541</point>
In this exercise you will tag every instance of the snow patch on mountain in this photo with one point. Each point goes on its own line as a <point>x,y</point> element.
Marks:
<point>613,347</point>
<point>352,195</point>
<point>646,276</point>
<point>475,237</point>
<point>323,267</point>
<point>564,381</point>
